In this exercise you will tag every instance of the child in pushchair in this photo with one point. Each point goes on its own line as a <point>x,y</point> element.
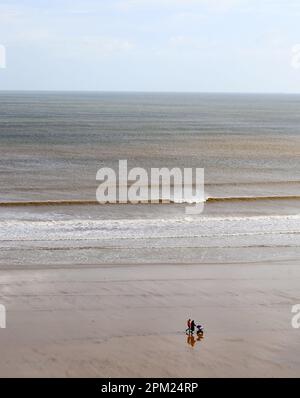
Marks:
<point>200,329</point>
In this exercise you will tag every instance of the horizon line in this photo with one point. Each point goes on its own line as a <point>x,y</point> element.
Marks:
<point>150,91</point>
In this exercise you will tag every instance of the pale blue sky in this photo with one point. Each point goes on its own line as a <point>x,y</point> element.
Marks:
<point>151,45</point>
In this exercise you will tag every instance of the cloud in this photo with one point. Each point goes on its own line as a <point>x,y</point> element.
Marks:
<point>62,31</point>
<point>90,48</point>
<point>188,43</point>
<point>9,13</point>
<point>106,45</point>
<point>185,4</point>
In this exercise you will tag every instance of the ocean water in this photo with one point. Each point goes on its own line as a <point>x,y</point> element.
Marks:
<point>52,144</point>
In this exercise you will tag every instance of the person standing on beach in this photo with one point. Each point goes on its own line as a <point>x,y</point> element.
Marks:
<point>188,326</point>
<point>192,326</point>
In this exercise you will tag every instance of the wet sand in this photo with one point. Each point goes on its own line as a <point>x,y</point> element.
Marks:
<point>129,320</point>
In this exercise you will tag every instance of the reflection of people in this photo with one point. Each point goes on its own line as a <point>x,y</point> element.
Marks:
<point>191,340</point>
<point>200,336</point>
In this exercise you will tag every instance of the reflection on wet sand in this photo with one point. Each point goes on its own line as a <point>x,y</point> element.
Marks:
<point>191,340</point>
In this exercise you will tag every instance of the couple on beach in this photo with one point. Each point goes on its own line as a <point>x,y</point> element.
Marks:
<point>191,327</point>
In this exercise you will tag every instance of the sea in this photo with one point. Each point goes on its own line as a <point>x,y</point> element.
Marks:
<point>53,143</point>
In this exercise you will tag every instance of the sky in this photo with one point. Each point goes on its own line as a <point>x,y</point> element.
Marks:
<point>150,45</point>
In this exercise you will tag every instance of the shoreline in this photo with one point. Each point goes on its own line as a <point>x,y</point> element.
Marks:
<point>50,267</point>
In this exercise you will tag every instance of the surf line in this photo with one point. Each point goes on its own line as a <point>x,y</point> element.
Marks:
<point>251,198</point>
<point>80,202</point>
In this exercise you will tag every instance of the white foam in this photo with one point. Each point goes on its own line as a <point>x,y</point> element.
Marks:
<point>204,227</point>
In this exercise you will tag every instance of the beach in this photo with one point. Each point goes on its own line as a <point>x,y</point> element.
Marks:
<point>106,290</point>
<point>129,321</point>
